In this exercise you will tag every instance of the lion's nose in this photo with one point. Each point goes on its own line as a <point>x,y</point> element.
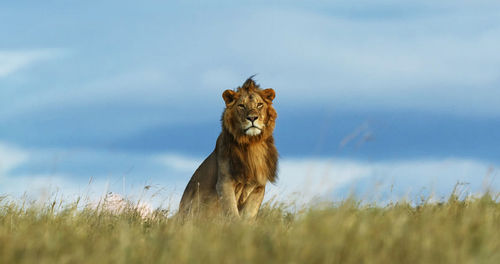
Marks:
<point>252,118</point>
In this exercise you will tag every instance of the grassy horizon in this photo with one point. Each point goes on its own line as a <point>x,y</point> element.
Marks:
<point>459,230</point>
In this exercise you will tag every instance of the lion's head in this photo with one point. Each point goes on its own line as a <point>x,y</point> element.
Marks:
<point>249,115</point>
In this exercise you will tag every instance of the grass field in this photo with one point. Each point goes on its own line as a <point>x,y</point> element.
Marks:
<point>465,230</point>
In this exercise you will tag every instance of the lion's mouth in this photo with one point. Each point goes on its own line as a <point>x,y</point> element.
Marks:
<point>252,127</point>
<point>253,131</point>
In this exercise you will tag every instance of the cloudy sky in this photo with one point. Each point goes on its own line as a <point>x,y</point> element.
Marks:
<point>398,98</point>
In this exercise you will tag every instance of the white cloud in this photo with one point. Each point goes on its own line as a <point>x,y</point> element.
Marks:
<point>144,86</point>
<point>38,184</point>
<point>335,178</point>
<point>179,163</point>
<point>10,158</point>
<point>44,186</point>
<point>14,61</point>
<point>316,177</point>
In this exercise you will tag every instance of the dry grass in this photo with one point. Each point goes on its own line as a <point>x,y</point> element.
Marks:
<point>456,231</point>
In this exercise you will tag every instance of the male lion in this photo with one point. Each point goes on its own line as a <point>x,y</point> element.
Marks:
<point>232,179</point>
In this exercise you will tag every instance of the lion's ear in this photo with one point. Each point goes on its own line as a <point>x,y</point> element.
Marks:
<point>269,94</point>
<point>229,96</point>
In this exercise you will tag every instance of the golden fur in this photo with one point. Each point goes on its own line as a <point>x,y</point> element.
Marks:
<point>232,179</point>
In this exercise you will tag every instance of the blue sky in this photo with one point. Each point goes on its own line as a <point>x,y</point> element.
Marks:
<point>127,94</point>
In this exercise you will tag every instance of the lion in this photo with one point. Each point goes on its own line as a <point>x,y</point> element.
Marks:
<point>231,181</point>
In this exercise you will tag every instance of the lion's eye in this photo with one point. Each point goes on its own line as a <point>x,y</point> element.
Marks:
<point>241,106</point>
<point>260,105</point>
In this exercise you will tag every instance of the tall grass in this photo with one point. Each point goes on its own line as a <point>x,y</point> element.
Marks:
<point>463,230</point>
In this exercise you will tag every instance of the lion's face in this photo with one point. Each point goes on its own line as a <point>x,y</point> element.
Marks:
<point>249,111</point>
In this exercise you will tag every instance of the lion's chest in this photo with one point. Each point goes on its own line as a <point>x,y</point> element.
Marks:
<point>257,168</point>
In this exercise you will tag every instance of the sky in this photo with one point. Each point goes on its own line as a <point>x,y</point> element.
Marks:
<point>384,98</point>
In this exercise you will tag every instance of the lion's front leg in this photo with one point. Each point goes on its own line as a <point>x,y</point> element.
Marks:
<point>225,191</point>
<point>253,202</point>
<point>227,200</point>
